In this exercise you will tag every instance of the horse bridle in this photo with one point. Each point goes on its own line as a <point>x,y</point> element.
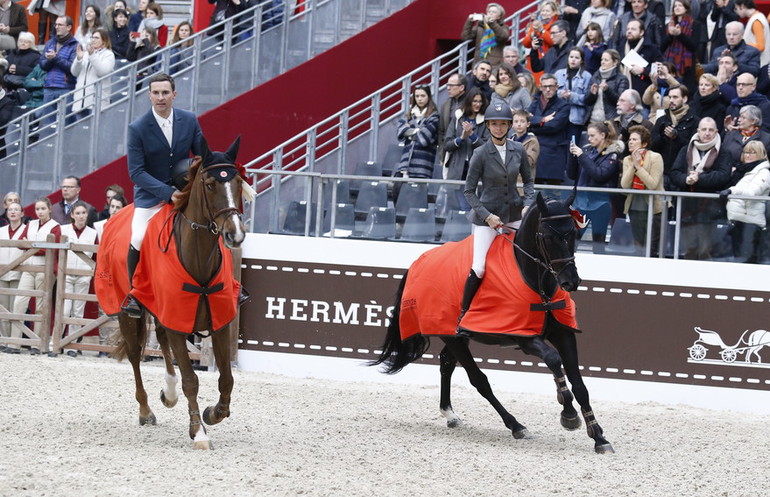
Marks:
<point>212,225</point>
<point>546,262</point>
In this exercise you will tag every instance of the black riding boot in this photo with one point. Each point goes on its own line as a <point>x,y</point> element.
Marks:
<point>130,305</point>
<point>472,285</point>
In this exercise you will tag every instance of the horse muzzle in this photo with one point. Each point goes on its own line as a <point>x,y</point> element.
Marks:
<point>568,278</point>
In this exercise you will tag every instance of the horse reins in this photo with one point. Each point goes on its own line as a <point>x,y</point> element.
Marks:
<point>212,226</point>
<point>546,263</point>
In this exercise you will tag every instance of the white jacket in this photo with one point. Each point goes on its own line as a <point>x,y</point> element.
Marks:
<point>9,254</point>
<point>755,182</point>
<point>88,236</point>
<point>87,70</point>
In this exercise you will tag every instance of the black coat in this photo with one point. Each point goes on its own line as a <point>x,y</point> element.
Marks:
<point>761,101</point>
<point>553,60</point>
<point>733,143</point>
<point>120,38</point>
<point>616,84</point>
<point>25,60</point>
<point>651,54</point>
<point>711,180</point>
<point>667,147</point>
<point>711,106</point>
<point>552,136</point>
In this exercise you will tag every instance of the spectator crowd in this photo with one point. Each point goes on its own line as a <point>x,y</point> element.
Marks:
<point>621,94</point>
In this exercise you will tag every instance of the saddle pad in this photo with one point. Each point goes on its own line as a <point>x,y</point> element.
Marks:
<point>431,301</point>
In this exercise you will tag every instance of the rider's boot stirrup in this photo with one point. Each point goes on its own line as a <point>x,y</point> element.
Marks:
<point>130,305</point>
<point>472,285</point>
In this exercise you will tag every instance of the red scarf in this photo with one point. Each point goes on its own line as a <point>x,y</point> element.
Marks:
<point>638,183</point>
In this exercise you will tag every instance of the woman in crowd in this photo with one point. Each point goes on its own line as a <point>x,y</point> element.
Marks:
<point>489,33</point>
<point>92,20</point>
<point>598,13</point>
<point>10,280</point>
<point>181,53</point>
<point>708,101</point>
<point>89,65</point>
<point>492,81</point>
<point>593,48</point>
<point>120,35</point>
<point>77,232</point>
<point>540,28</point>
<point>750,177</point>
<point>655,96</point>
<point>146,45</point>
<point>509,89</point>
<point>21,61</point>
<point>36,230</point>
<point>704,167</point>
<point>606,86</point>
<point>642,170</point>
<point>8,199</point>
<point>679,43</point>
<point>496,203</point>
<point>597,164</point>
<point>137,17</point>
<point>418,130</point>
<point>153,18</point>
<point>749,129</point>
<point>527,81</point>
<point>465,134</point>
<point>117,202</point>
<point>109,14</point>
<point>527,138</point>
<point>574,83</point>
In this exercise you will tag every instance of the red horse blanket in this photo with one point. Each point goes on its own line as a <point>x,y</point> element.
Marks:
<point>161,284</point>
<point>431,301</point>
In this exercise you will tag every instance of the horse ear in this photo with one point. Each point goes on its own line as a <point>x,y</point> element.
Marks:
<point>542,207</point>
<point>205,151</point>
<point>572,196</point>
<point>232,152</point>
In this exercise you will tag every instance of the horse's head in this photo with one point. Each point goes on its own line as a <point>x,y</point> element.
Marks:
<point>556,235</point>
<point>215,193</point>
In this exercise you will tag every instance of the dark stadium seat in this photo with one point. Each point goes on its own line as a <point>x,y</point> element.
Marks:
<point>420,225</point>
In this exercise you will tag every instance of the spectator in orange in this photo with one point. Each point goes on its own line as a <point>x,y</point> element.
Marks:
<point>539,31</point>
<point>757,32</point>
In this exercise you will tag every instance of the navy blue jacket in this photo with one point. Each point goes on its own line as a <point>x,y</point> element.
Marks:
<point>150,158</point>
<point>552,162</point>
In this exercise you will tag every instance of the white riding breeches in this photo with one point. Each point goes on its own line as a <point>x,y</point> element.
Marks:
<point>483,236</point>
<point>139,222</point>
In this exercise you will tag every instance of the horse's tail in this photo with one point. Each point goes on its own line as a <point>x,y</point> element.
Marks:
<point>128,325</point>
<point>397,354</point>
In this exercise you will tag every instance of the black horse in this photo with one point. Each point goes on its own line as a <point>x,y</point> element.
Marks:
<point>544,250</point>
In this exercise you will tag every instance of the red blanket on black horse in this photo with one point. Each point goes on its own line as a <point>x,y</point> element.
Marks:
<point>161,284</point>
<point>503,304</point>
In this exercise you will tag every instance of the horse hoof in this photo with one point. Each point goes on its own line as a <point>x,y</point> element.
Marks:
<point>148,420</point>
<point>208,416</point>
<point>453,423</point>
<point>519,434</point>
<point>604,449</point>
<point>571,424</point>
<point>166,402</point>
<point>203,445</point>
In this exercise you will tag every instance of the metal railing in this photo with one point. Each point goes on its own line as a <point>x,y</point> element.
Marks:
<point>225,60</point>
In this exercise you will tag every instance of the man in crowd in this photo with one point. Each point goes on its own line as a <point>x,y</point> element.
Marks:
<point>550,118</point>
<point>636,39</point>
<point>650,27</point>
<point>70,192</point>
<point>746,55</point>
<point>110,192</point>
<point>512,57</point>
<point>455,88</point>
<point>714,17</point>
<point>58,55</point>
<point>673,129</point>
<point>480,78</point>
<point>556,57</point>
<point>727,75</point>
<point>630,114</point>
<point>746,86</point>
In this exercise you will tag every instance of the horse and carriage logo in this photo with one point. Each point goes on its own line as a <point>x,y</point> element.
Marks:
<point>748,346</point>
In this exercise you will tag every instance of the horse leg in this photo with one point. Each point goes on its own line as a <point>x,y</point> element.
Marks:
<point>566,343</point>
<point>221,342</point>
<point>448,362</point>
<point>198,435</point>
<point>537,347</point>
<point>168,395</point>
<point>459,348</point>
<point>133,331</point>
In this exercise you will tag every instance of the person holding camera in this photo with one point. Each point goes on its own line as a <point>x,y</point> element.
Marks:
<point>556,57</point>
<point>538,36</point>
<point>489,33</point>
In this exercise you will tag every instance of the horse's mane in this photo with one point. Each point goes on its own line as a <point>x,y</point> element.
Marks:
<point>184,198</point>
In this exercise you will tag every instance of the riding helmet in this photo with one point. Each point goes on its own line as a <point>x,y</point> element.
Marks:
<point>498,110</point>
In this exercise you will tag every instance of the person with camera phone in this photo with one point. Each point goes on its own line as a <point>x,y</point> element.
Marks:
<point>488,32</point>
<point>538,36</point>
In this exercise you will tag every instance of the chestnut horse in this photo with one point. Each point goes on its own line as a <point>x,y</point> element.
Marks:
<point>207,211</point>
<point>544,251</point>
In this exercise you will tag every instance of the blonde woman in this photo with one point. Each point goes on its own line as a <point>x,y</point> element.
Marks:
<point>642,170</point>
<point>36,230</point>
<point>10,280</point>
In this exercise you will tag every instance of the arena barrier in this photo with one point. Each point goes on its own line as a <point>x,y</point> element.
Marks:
<point>650,326</point>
